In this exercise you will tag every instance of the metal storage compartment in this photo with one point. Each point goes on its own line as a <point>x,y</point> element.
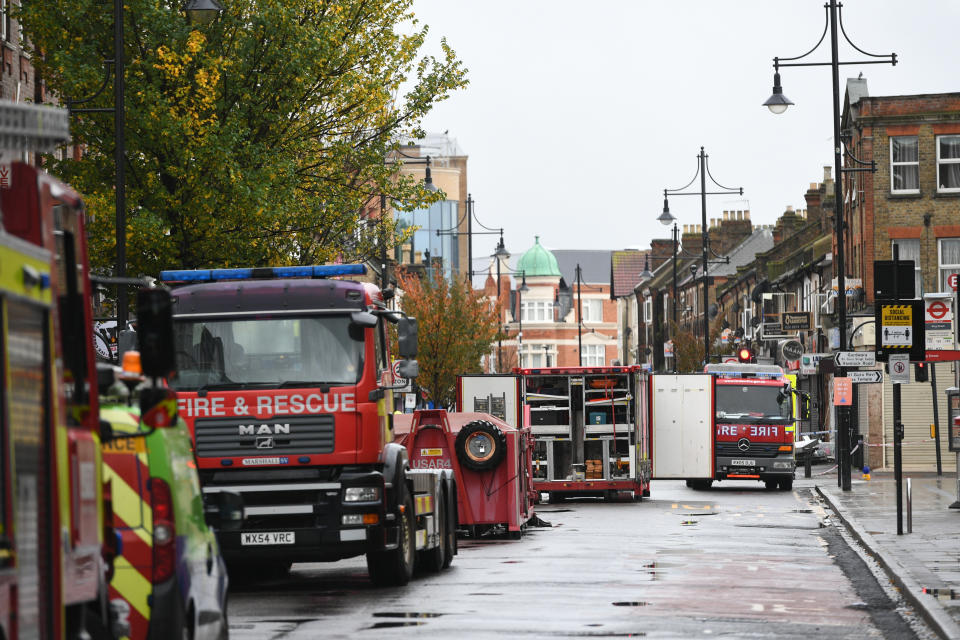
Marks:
<point>682,408</point>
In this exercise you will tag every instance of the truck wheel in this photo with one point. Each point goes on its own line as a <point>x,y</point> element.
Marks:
<point>786,484</point>
<point>702,485</point>
<point>395,567</point>
<point>771,485</point>
<point>451,539</point>
<point>434,560</point>
<point>480,445</point>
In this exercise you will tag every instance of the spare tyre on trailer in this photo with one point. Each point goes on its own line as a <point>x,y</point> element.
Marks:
<point>480,445</point>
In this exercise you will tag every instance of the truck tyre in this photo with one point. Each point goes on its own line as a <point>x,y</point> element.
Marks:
<point>480,445</point>
<point>771,485</point>
<point>395,567</point>
<point>453,519</point>
<point>786,484</point>
<point>702,485</point>
<point>435,559</point>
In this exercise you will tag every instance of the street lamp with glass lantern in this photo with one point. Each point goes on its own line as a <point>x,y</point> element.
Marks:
<point>202,11</point>
<point>703,170</point>
<point>198,12</point>
<point>778,103</point>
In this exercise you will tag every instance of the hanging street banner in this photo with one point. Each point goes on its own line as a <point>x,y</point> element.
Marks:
<point>900,329</point>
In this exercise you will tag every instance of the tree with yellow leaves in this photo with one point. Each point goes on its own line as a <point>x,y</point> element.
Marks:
<point>456,326</point>
<point>255,140</point>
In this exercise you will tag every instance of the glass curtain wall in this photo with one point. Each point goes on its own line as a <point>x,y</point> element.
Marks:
<point>440,216</point>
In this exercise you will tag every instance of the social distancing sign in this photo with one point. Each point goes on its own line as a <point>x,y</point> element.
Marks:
<point>900,327</point>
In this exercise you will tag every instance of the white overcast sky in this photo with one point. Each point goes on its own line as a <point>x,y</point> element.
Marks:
<point>579,114</point>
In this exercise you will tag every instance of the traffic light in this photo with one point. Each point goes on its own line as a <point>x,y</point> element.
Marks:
<point>745,356</point>
<point>920,372</point>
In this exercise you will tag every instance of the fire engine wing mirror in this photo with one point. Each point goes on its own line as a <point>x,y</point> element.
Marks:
<point>363,319</point>
<point>408,368</point>
<point>407,337</point>
<point>155,332</point>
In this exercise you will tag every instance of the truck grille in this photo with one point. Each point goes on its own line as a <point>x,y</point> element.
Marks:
<point>756,449</point>
<point>284,435</point>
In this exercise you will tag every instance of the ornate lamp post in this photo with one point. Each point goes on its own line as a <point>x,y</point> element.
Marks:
<point>703,170</point>
<point>778,103</point>
<point>200,12</point>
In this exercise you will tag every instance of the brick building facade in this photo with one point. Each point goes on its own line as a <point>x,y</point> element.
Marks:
<point>913,198</point>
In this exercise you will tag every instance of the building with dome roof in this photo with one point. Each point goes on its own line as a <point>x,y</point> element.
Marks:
<point>538,298</point>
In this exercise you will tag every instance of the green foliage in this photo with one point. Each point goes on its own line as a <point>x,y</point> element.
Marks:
<point>256,140</point>
<point>456,326</point>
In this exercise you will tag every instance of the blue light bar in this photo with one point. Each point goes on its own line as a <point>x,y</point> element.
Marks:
<point>214,275</point>
<point>327,270</point>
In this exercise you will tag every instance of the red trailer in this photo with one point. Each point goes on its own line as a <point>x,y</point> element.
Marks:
<point>490,459</point>
<point>589,424</point>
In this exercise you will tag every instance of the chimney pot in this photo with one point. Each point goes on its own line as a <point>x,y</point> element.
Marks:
<point>826,174</point>
<point>789,208</point>
<point>726,215</point>
<point>746,214</point>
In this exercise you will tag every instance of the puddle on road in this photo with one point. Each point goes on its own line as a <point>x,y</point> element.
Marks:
<point>636,603</point>
<point>391,625</point>
<point>802,511</point>
<point>511,562</point>
<point>484,594</point>
<point>406,614</point>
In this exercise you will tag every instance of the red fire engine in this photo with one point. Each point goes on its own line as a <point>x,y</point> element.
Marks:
<point>754,425</point>
<point>283,376</point>
<point>52,524</point>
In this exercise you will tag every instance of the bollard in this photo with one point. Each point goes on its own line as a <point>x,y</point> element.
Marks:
<point>807,462</point>
<point>909,506</point>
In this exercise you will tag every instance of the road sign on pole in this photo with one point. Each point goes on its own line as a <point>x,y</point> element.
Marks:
<point>901,328</point>
<point>842,392</point>
<point>899,368</point>
<point>865,377</point>
<point>855,358</point>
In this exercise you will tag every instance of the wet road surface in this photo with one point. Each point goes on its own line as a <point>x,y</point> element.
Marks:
<point>735,561</point>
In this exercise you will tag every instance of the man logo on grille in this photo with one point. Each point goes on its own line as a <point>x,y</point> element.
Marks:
<point>743,444</point>
<point>265,442</point>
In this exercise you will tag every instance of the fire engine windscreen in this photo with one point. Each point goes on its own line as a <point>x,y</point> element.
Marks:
<point>268,352</point>
<point>741,403</point>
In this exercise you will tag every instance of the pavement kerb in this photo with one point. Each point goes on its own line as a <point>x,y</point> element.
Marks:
<point>935,615</point>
